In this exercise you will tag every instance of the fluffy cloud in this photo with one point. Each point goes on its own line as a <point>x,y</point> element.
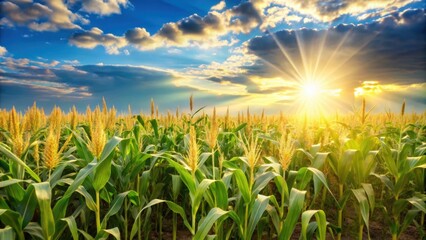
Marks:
<point>212,30</point>
<point>275,15</point>
<point>3,51</point>
<point>193,30</point>
<point>94,37</point>
<point>220,6</point>
<point>102,7</point>
<point>330,10</point>
<point>207,31</point>
<point>51,16</point>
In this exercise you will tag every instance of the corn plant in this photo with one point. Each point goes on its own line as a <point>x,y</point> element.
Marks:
<point>400,170</point>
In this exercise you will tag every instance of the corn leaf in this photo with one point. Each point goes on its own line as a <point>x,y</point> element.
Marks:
<point>115,206</point>
<point>7,233</point>
<point>256,213</point>
<point>90,203</point>
<point>261,181</point>
<point>27,206</point>
<point>4,149</point>
<point>115,232</point>
<point>72,226</point>
<point>321,223</point>
<point>103,171</point>
<point>243,186</point>
<point>296,201</point>
<point>172,206</point>
<point>207,223</point>
<point>363,205</point>
<point>14,220</point>
<point>185,176</point>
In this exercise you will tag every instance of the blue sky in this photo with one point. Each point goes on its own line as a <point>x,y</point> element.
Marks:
<point>264,54</point>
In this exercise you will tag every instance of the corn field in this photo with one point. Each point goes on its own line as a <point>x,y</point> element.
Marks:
<point>199,175</point>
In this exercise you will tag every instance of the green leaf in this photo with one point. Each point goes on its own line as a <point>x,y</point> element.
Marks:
<point>319,160</point>
<point>176,186</point>
<point>18,161</point>
<point>363,205</point>
<point>218,189</point>
<point>7,233</point>
<point>115,232</point>
<point>172,206</point>
<point>256,213</point>
<point>43,193</point>
<point>243,186</point>
<point>15,192</point>
<point>27,206</point>
<point>154,125</point>
<point>275,218</point>
<point>261,181</point>
<point>345,164</point>
<point>9,182</point>
<point>408,219</point>
<point>368,188</point>
<point>239,127</point>
<point>103,171</point>
<point>61,206</point>
<point>85,235</point>
<point>13,219</point>
<point>385,180</point>
<point>321,223</point>
<point>57,174</point>
<point>90,203</point>
<point>207,223</point>
<point>201,189</point>
<point>72,226</point>
<point>296,201</point>
<point>385,154</point>
<point>418,203</point>
<point>319,178</point>
<point>282,185</point>
<point>115,206</point>
<point>185,176</point>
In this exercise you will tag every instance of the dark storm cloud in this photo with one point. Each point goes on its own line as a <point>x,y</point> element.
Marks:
<point>392,45</point>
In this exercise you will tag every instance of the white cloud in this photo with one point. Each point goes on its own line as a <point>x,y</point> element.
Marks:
<point>50,16</point>
<point>104,7</point>
<point>174,51</point>
<point>220,6</point>
<point>53,15</point>
<point>3,51</point>
<point>72,62</point>
<point>94,37</point>
<point>329,10</point>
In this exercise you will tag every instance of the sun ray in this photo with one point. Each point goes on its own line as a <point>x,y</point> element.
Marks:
<point>351,55</point>
<point>302,48</point>
<point>336,50</point>
<point>320,51</point>
<point>284,51</point>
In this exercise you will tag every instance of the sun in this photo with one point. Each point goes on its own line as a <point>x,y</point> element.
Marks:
<point>311,97</point>
<point>310,90</point>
